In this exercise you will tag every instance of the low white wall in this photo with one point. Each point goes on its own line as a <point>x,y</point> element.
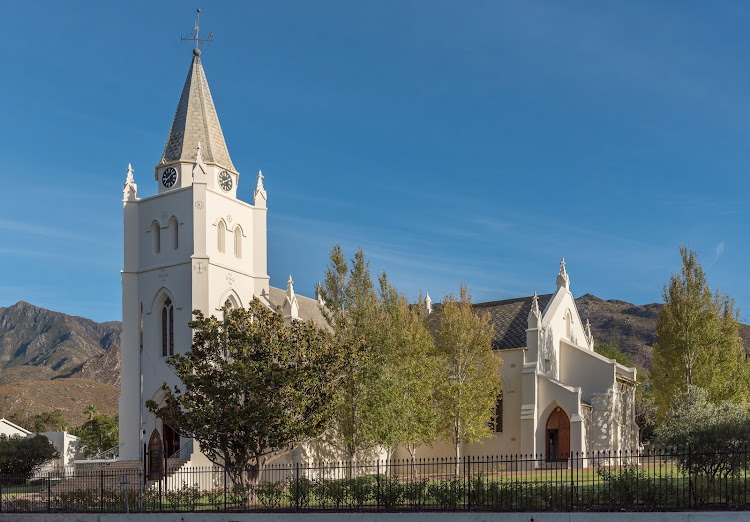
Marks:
<point>380,517</point>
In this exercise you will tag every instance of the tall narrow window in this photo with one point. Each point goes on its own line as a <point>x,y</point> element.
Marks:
<point>568,321</point>
<point>156,236</point>
<point>173,233</point>
<point>167,328</point>
<point>237,242</point>
<point>497,419</point>
<point>221,231</point>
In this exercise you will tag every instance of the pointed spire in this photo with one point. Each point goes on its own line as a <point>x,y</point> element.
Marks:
<point>535,315</point>
<point>198,154</point>
<point>562,277</point>
<point>129,189</point>
<point>290,308</point>
<point>196,120</point>
<point>290,287</point>
<point>427,304</point>
<point>319,294</point>
<point>260,192</point>
<point>589,335</point>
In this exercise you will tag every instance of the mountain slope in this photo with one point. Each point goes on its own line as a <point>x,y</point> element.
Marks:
<point>631,327</point>
<point>36,343</point>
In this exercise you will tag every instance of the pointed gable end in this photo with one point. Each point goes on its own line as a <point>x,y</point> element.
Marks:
<point>196,121</point>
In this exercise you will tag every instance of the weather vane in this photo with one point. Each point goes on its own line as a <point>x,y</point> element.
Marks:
<point>195,36</point>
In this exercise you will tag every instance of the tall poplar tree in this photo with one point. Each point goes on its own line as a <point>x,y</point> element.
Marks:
<point>470,372</point>
<point>699,342</point>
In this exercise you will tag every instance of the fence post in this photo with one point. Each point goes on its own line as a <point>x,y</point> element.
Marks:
<point>378,492</point>
<point>101,490</point>
<point>296,489</point>
<point>49,493</point>
<point>225,489</point>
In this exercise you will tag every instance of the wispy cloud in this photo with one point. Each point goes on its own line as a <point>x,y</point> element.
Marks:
<point>718,251</point>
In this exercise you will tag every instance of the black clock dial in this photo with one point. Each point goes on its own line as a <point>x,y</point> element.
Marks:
<point>169,177</point>
<point>225,181</point>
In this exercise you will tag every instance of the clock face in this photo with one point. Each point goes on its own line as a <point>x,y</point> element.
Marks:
<point>225,181</point>
<point>169,177</point>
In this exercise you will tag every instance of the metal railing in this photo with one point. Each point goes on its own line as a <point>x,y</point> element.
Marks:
<point>648,481</point>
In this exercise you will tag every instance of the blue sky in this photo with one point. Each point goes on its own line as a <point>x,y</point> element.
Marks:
<point>452,141</point>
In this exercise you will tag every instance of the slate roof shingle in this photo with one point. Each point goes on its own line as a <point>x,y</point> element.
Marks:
<point>196,120</point>
<point>510,318</point>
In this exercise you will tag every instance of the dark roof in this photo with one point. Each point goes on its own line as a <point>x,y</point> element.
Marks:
<point>510,318</point>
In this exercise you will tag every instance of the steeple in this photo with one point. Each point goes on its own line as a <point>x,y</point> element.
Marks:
<point>562,277</point>
<point>195,120</point>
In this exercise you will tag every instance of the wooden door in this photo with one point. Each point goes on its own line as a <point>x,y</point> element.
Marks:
<point>558,435</point>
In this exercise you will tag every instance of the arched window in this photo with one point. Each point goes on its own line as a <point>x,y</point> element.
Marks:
<point>156,236</point>
<point>173,233</point>
<point>167,328</point>
<point>568,323</point>
<point>497,418</point>
<point>221,231</point>
<point>237,242</point>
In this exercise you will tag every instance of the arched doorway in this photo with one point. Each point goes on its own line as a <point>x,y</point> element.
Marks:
<point>155,456</point>
<point>558,436</point>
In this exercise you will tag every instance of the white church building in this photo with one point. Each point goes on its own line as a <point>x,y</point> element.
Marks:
<point>194,245</point>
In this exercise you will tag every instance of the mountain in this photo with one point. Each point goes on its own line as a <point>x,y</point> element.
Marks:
<point>39,344</point>
<point>629,326</point>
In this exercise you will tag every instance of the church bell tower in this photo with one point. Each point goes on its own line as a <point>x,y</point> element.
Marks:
<point>192,246</point>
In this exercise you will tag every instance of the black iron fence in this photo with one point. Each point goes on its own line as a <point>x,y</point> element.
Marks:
<point>649,481</point>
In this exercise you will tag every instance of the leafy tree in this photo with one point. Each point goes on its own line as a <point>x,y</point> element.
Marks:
<point>351,310</point>
<point>91,411</point>
<point>469,372</point>
<point>645,407</point>
<point>403,355</point>
<point>708,436</point>
<point>98,434</point>
<point>253,388</point>
<point>699,342</point>
<point>21,456</point>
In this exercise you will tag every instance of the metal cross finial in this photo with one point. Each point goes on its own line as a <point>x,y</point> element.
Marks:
<point>195,36</point>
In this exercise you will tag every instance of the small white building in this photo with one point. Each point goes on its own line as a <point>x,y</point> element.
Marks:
<point>68,448</point>
<point>9,429</point>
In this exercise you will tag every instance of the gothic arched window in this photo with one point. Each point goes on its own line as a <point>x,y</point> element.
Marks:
<point>568,323</point>
<point>221,231</point>
<point>156,236</point>
<point>167,328</point>
<point>497,417</point>
<point>237,242</point>
<point>173,239</point>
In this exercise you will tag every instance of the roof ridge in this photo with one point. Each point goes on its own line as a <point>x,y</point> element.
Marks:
<point>508,301</point>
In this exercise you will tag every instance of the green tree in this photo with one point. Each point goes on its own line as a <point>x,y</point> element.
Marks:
<point>403,356</point>
<point>709,437</point>
<point>469,372</point>
<point>91,411</point>
<point>21,456</point>
<point>253,388</point>
<point>699,342</point>
<point>351,309</point>
<point>98,434</point>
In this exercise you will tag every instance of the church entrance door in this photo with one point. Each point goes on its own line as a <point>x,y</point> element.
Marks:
<point>558,436</point>
<point>171,440</point>
<point>155,456</point>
